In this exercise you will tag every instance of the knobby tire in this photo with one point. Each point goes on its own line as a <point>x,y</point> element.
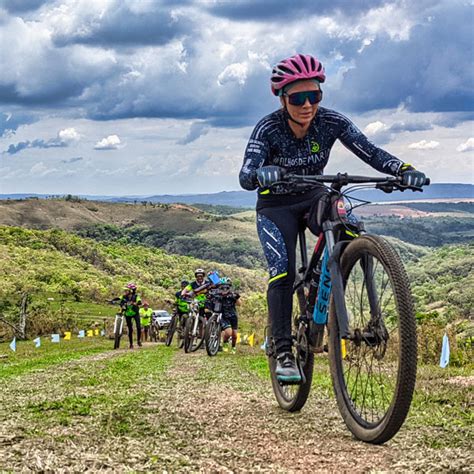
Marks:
<point>379,252</point>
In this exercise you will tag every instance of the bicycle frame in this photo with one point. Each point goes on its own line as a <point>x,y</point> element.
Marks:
<point>330,281</point>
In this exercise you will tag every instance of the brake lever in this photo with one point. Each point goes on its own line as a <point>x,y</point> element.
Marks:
<point>386,187</point>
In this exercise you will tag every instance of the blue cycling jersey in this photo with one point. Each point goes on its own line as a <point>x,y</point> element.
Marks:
<point>274,143</point>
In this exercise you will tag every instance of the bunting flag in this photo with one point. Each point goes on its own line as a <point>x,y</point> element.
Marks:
<point>238,338</point>
<point>55,338</point>
<point>343,348</point>
<point>81,333</point>
<point>251,339</point>
<point>37,342</point>
<point>90,333</point>
<point>67,335</point>
<point>444,359</point>
<point>13,345</point>
<point>102,333</point>
<point>264,346</point>
<point>96,332</point>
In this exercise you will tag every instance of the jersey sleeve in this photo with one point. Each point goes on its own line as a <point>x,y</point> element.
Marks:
<point>255,155</point>
<point>354,140</point>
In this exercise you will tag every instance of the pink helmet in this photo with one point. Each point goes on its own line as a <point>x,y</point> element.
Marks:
<point>131,286</point>
<point>296,68</point>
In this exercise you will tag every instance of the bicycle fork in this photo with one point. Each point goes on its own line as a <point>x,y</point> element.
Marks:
<point>331,282</point>
<point>195,325</point>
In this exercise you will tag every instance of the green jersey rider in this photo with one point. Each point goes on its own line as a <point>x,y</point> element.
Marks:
<point>194,290</point>
<point>130,303</point>
<point>145,319</point>
<point>182,306</point>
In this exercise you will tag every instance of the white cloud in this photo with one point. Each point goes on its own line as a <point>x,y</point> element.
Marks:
<point>112,142</point>
<point>69,135</point>
<point>236,72</point>
<point>424,145</point>
<point>40,169</point>
<point>466,146</point>
<point>375,127</point>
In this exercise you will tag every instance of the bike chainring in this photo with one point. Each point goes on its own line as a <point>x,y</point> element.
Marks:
<point>302,344</point>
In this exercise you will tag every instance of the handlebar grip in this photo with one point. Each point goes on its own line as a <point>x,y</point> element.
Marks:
<point>427,182</point>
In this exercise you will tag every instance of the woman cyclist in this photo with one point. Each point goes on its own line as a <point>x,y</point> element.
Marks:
<point>298,138</point>
<point>130,304</point>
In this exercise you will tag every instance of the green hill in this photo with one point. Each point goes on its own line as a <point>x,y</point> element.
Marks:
<point>66,267</point>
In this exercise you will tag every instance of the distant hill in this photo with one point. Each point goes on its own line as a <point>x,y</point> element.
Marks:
<point>176,228</point>
<point>247,199</point>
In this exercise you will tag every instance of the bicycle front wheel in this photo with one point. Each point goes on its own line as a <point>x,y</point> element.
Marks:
<point>374,371</point>
<point>118,331</point>
<point>198,338</point>
<point>171,330</point>
<point>212,336</point>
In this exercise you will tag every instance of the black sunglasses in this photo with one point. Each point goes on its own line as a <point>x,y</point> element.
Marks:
<point>299,98</point>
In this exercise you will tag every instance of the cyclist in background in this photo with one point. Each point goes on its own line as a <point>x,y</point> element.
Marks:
<point>229,322</point>
<point>193,289</point>
<point>130,303</point>
<point>182,306</point>
<point>145,319</point>
<point>298,138</point>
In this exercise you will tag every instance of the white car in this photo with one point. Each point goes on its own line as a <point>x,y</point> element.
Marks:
<point>162,317</point>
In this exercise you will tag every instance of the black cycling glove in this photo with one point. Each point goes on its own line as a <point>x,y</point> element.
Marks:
<point>411,177</point>
<point>267,175</point>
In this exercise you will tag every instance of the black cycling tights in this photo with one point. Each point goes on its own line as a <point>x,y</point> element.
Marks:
<point>130,328</point>
<point>278,227</point>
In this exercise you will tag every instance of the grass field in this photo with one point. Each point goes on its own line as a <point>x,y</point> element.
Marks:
<point>78,405</point>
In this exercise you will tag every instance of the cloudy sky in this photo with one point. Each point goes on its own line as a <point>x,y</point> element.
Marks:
<point>153,97</point>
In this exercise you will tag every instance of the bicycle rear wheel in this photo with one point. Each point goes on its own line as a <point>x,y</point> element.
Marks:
<point>212,336</point>
<point>293,397</point>
<point>188,333</point>
<point>374,371</point>
<point>180,331</point>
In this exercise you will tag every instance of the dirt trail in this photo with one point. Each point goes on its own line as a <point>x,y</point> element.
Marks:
<point>199,415</point>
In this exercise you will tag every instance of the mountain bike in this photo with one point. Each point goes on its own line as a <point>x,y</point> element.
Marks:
<point>212,335</point>
<point>195,323</point>
<point>176,326</point>
<point>354,285</point>
<point>194,328</point>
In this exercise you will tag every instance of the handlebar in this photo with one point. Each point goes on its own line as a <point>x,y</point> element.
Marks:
<point>385,183</point>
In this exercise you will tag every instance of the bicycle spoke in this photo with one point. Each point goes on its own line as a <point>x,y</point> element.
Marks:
<point>370,366</point>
